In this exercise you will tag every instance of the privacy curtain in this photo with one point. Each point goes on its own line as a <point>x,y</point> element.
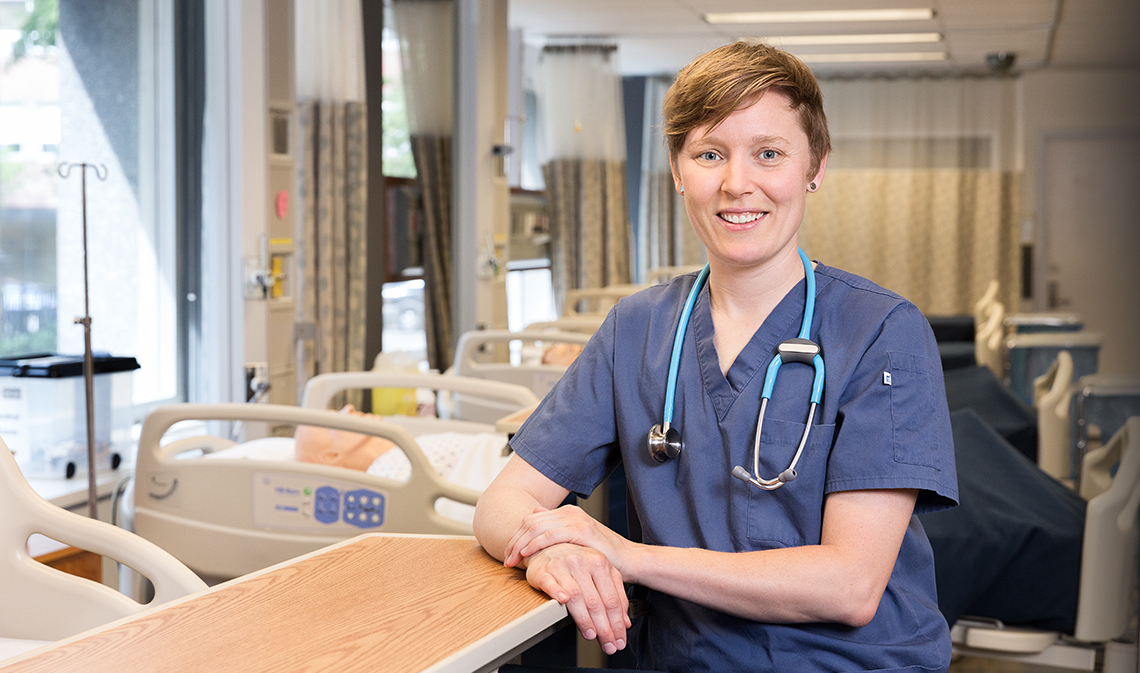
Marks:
<point>583,147</point>
<point>922,189</point>
<point>937,237</point>
<point>665,238</point>
<point>332,164</point>
<point>425,31</point>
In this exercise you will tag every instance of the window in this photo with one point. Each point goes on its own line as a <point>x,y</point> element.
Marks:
<point>398,162</point>
<point>84,82</point>
<point>403,312</point>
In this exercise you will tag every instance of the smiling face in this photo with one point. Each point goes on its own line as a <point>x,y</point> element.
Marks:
<point>745,184</point>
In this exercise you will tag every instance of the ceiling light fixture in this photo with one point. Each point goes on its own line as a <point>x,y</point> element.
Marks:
<point>874,57</point>
<point>880,38</point>
<point>821,16</point>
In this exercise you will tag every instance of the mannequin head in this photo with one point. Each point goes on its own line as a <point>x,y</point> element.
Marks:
<point>561,354</point>
<point>340,448</point>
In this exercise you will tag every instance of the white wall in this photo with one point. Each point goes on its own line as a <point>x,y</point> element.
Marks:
<point>1073,101</point>
<point>1080,199</point>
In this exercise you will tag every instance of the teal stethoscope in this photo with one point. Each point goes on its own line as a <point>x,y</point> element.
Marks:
<point>665,440</point>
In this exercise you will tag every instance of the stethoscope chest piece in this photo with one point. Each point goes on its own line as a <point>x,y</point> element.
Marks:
<point>664,443</point>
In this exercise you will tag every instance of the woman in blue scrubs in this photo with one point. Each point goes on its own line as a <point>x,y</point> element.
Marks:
<point>829,571</point>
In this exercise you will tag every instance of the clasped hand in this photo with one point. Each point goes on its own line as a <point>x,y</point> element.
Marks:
<point>577,562</point>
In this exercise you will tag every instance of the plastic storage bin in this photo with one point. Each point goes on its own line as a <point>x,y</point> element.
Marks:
<point>43,412</point>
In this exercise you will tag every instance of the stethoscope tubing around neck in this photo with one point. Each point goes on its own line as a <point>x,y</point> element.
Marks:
<point>678,341</point>
<point>801,349</point>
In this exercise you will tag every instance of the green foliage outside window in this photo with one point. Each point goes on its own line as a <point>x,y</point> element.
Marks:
<point>39,28</point>
<point>398,162</point>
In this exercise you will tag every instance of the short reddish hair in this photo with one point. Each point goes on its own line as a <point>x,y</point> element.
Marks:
<point>734,76</point>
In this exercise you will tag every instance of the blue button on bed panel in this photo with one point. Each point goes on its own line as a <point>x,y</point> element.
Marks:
<point>326,505</point>
<point>364,508</point>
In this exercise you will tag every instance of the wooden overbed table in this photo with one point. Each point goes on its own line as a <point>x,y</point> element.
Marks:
<point>377,602</point>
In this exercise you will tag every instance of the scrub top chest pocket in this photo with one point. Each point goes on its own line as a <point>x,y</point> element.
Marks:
<point>790,516</point>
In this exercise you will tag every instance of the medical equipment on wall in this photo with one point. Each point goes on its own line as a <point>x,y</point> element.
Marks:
<point>228,516</point>
<point>665,441</point>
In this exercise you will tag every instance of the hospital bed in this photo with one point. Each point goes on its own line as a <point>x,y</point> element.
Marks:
<point>1053,395</point>
<point>1107,579</point>
<point>1101,405</point>
<point>583,324</point>
<point>998,330</point>
<point>1075,415</point>
<point>599,300</point>
<point>1031,323</point>
<point>954,335</point>
<point>978,389</point>
<point>662,274</point>
<point>989,340</point>
<point>44,604</point>
<point>226,510</point>
<point>483,354</point>
<point>596,300</point>
<point>1030,355</point>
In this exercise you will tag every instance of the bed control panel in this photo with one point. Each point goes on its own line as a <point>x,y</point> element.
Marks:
<point>288,501</point>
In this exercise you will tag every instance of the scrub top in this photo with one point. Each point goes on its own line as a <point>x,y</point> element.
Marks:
<point>882,424</point>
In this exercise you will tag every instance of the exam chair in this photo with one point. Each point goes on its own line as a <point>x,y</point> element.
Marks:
<point>42,604</point>
<point>1111,484</point>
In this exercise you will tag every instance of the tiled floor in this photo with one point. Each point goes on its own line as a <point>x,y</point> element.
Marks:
<point>977,665</point>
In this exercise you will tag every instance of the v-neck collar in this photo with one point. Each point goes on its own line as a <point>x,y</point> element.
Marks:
<point>753,359</point>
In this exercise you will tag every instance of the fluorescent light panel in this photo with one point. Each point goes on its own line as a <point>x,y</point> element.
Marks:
<point>821,16</point>
<point>880,57</point>
<point>881,38</point>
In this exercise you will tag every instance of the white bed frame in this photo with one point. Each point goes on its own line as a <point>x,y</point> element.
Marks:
<point>538,377</point>
<point>1108,575</point>
<point>225,517</point>
<point>596,300</point>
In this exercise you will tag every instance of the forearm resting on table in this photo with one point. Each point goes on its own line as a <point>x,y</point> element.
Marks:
<point>511,496</point>
<point>793,585</point>
<point>579,577</point>
<point>840,580</point>
<point>497,517</point>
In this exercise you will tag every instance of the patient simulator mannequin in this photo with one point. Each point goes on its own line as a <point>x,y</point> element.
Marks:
<point>561,354</point>
<point>341,448</point>
<point>471,460</point>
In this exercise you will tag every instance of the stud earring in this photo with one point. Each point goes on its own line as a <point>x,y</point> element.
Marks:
<point>812,187</point>
<point>682,189</point>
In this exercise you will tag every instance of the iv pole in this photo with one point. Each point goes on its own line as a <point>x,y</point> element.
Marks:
<point>88,357</point>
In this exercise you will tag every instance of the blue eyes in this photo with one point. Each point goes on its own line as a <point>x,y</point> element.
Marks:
<point>764,155</point>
